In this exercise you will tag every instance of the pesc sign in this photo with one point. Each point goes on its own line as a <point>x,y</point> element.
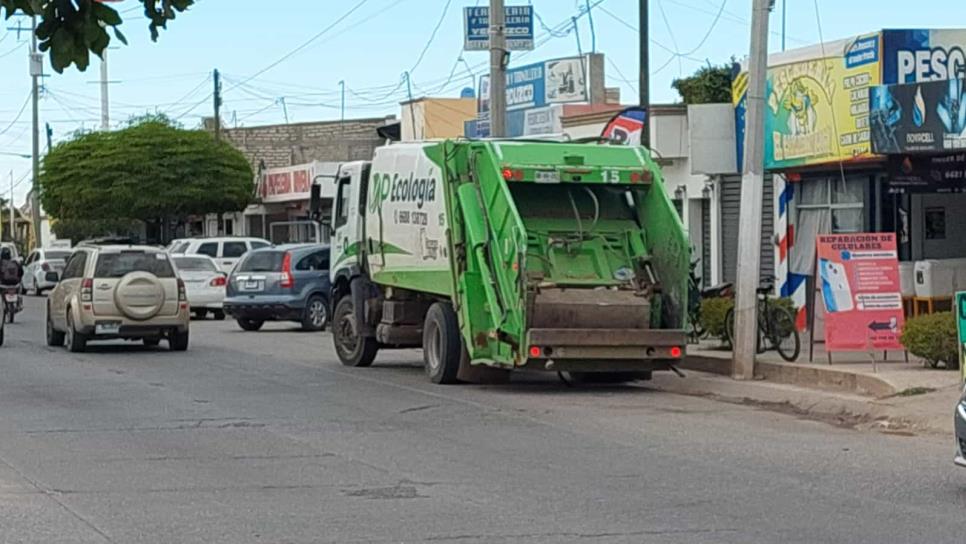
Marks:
<point>519,28</point>
<point>916,56</point>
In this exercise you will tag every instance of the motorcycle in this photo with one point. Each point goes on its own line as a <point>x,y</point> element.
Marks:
<point>12,302</point>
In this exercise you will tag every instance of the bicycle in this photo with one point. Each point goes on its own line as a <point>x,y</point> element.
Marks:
<point>776,327</point>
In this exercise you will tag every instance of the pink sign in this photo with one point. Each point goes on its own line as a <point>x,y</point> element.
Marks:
<point>858,275</point>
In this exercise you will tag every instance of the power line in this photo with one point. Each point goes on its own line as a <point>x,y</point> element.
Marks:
<point>432,37</point>
<point>670,31</point>
<point>17,118</point>
<point>707,35</point>
<point>306,43</point>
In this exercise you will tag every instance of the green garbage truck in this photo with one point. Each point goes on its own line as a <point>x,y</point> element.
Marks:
<point>498,255</point>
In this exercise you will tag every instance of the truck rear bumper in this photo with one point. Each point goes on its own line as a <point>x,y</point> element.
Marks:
<point>604,349</point>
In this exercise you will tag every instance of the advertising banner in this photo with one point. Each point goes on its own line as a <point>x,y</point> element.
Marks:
<point>859,278</point>
<point>538,85</point>
<point>919,118</point>
<point>818,108</point>
<point>915,56</point>
<point>519,28</point>
<point>927,174</point>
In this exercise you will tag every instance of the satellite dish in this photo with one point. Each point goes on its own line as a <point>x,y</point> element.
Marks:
<point>468,92</point>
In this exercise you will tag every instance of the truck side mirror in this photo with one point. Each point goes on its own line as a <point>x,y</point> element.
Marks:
<point>315,201</point>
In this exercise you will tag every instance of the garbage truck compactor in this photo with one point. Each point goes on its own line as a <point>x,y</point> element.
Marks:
<point>501,255</point>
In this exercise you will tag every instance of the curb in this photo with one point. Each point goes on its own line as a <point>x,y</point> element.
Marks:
<point>808,376</point>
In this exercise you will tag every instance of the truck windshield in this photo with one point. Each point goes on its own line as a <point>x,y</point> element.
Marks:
<point>262,261</point>
<point>118,265</point>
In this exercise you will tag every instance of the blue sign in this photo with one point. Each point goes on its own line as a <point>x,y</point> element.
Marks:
<point>519,28</point>
<point>917,56</point>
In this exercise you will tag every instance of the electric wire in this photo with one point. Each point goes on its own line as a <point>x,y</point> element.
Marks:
<point>17,118</point>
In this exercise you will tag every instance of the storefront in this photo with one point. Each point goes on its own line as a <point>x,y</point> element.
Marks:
<point>282,213</point>
<point>827,176</point>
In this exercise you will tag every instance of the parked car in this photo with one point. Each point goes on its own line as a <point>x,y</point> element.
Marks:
<point>205,284</point>
<point>285,283</point>
<point>111,292</point>
<point>225,251</point>
<point>42,269</point>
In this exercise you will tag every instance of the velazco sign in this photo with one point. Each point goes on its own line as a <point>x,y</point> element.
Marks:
<point>518,28</point>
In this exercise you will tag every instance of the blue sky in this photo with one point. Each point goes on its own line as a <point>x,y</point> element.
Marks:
<point>371,48</point>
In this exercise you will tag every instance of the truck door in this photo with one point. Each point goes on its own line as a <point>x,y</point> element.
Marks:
<point>347,217</point>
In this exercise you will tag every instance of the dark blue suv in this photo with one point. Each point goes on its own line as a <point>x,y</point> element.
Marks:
<point>283,283</point>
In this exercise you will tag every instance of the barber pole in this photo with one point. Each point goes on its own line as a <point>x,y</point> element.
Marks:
<point>790,285</point>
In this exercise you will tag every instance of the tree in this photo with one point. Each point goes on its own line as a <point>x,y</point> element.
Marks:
<point>150,171</point>
<point>72,29</point>
<point>709,85</point>
<point>83,229</point>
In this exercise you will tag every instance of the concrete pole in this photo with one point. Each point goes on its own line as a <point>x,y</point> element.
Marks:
<point>105,100</point>
<point>36,67</point>
<point>497,70</point>
<point>645,75</point>
<point>13,224</point>
<point>752,180</point>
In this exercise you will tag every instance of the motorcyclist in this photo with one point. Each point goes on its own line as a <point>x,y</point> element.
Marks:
<point>11,274</point>
<point>11,271</point>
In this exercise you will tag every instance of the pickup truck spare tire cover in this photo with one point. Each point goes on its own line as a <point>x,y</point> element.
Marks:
<point>139,295</point>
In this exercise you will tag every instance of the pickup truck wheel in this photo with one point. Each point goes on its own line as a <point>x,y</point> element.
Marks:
<point>442,344</point>
<point>352,349</point>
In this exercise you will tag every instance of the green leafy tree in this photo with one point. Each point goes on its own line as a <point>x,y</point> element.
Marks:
<point>709,85</point>
<point>83,229</point>
<point>70,30</point>
<point>150,171</point>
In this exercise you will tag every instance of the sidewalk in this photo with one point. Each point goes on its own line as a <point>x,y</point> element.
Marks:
<point>891,395</point>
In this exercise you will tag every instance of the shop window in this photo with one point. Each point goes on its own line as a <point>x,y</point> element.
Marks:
<point>833,205</point>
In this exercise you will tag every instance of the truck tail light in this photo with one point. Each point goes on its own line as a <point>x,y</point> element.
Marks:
<point>676,352</point>
<point>182,295</point>
<point>219,281</point>
<point>87,290</point>
<point>287,281</point>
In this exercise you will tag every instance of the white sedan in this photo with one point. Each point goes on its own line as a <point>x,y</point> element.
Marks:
<point>205,284</point>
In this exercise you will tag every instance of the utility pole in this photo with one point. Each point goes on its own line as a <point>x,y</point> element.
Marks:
<point>498,55</point>
<point>217,103</point>
<point>105,101</point>
<point>412,112</point>
<point>752,181</point>
<point>36,69</point>
<point>13,224</point>
<point>645,76</point>
<point>342,117</point>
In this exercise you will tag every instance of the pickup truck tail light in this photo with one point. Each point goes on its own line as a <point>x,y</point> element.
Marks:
<point>182,295</point>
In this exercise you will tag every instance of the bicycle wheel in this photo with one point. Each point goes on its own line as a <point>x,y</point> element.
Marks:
<point>729,327</point>
<point>783,334</point>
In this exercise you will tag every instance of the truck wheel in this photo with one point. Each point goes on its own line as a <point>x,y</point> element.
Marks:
<point>352,349</point>
<point>442,344</point>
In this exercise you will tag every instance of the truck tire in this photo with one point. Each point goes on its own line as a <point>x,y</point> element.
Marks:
<point>352,349</point>
<point>442,344</point>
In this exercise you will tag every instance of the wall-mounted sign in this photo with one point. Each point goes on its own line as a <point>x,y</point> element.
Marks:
<point>915,56</point>
<point>927,174</point>
<point>519,28</point>
<point>859,279</point>
<point>919,117</point>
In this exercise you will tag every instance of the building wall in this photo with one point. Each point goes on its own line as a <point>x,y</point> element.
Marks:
<point>435,118</point>
<point>297,143</point>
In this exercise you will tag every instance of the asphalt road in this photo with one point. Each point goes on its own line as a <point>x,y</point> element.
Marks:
<point>264,437</point>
